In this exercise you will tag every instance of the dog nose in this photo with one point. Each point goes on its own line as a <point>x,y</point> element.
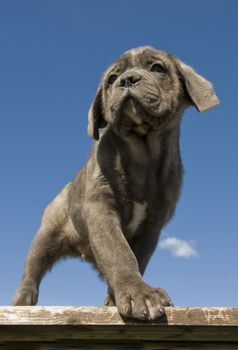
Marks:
<point>129,79</point>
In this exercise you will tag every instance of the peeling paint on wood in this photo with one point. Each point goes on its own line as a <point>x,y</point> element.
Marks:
<point>72,315</point>
<point>56,327</point>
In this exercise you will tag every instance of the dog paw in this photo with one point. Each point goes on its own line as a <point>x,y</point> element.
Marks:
<point>142,302</point>
<point>25,296</point>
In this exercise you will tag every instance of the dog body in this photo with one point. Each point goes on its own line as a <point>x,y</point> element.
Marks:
<point>112,213</point>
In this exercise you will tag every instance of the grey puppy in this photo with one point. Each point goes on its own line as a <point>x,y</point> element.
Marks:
<point>112,213</point>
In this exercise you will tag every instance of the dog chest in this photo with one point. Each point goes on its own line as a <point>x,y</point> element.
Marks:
<point>138,216</point>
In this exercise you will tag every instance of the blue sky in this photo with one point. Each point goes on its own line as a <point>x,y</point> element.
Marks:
<point>52,57</point>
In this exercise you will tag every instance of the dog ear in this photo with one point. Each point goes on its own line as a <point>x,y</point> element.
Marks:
<point>96,115</point>
<point>199,89</point>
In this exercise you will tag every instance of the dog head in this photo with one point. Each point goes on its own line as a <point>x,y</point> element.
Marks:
<point>146,89</point>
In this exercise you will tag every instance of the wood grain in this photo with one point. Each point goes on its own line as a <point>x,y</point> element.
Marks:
<point>55,327</point>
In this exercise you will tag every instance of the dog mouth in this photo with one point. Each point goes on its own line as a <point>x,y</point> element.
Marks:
<point>132,109</point>
<point>133,116</point>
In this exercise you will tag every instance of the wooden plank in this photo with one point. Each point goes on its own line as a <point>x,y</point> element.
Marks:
<point>74,315</point>
<point>118,333</point>
<point>120,346</point>
<point>46,328</point>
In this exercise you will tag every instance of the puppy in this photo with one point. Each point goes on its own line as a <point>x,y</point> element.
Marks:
<point>112,213</point>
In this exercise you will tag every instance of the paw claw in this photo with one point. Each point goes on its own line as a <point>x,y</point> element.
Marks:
<point>127,310</point>
<point>161,310</point>
<point>145,313</point>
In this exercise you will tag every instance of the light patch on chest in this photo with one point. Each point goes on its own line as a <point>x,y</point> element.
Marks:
<point>139,214</point>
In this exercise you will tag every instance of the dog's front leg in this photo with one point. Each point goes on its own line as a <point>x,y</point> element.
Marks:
<point>115,259</point>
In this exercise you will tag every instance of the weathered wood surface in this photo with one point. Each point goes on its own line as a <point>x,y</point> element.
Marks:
<point>47,328</point>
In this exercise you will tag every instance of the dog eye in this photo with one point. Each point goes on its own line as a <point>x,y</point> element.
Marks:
<point>158,68</point>
<point>112,79</point>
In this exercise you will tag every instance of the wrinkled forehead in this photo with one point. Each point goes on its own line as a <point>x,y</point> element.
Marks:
<point>141,57</point>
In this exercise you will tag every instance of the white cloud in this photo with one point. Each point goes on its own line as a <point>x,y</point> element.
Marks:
<point>178,247</point>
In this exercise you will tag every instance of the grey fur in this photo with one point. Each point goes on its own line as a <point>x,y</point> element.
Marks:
<point>112,213</point>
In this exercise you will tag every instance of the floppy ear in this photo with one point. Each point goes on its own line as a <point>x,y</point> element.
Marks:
<point>199,89</point>
<point>96,116</point>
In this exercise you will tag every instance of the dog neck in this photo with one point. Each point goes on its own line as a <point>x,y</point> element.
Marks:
<point>156,146</point>
<point>147,161</point>
<point>154,143</point>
